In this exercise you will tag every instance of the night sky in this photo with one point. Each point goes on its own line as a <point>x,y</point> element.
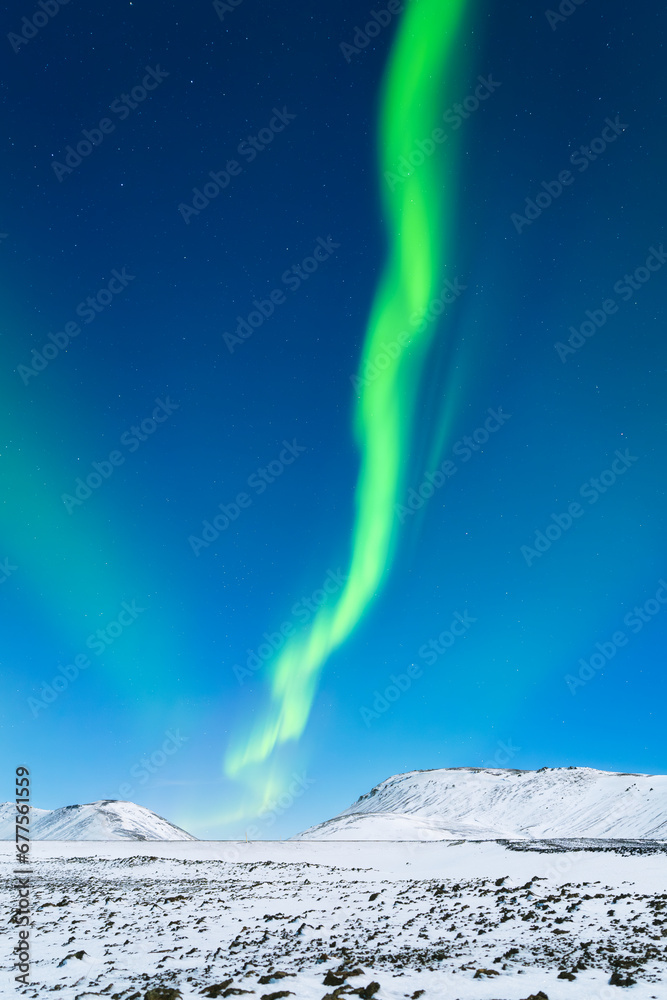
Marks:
<point>193,233</point>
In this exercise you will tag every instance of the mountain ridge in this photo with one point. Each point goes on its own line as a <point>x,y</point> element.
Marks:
<point>104,820</point>
<point>472,803</point>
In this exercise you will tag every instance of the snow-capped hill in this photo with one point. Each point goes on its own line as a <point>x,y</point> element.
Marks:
<point>103,820</point>
<point>470,803</point>
<point>8,819</point>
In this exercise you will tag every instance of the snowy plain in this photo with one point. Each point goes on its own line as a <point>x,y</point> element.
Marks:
<point>122,918</point>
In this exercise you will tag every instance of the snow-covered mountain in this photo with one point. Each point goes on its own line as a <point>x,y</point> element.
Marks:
<point>468,803</point>
<point>103,820</point>
<point>7,819</point>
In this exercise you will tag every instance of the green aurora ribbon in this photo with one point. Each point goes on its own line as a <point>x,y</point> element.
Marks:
<point>420,214</point>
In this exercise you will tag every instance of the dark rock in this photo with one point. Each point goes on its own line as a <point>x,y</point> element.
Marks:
<point>273,977</point>
<point>331,980</point>
<point>73,954</point>
<point>278,995</point>
<point>481,973</point>
<point>567,975</point>
<point>217,990</point>
<point>617,979</point>
<point>162,993</point>
<point>367,992</point>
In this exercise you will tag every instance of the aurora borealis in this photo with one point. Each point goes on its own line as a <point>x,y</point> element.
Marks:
<point>301,357</point>
<point>385,411</point>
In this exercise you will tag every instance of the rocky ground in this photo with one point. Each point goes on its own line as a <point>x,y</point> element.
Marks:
<point>291,920</point>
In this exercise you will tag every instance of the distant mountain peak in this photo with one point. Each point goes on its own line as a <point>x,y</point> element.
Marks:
<point>106,819</point>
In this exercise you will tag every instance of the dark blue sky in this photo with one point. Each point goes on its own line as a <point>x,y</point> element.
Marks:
<point>115,309</point>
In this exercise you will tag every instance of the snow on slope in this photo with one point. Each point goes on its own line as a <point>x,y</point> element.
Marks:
<point>103,820</point>
<point>470,803</point>
<point>8,817</point>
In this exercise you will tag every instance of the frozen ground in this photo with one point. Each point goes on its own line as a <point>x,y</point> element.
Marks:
<point>118,919</point>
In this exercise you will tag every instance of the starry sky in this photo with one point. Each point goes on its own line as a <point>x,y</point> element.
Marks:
<point>191,238</point>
